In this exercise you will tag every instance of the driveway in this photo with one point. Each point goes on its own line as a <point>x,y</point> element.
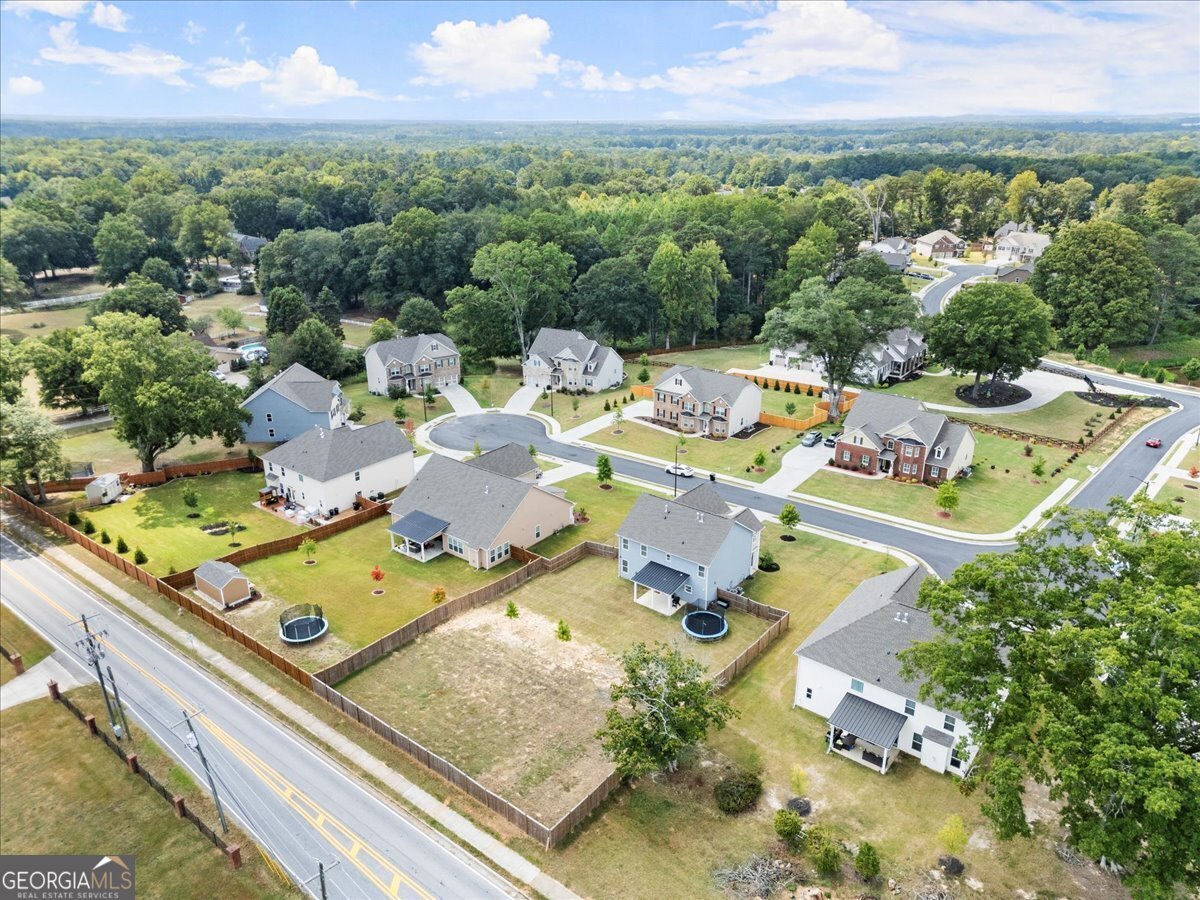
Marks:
<point>795,468</point>
<point>460,398</point>
<point>522,401</point>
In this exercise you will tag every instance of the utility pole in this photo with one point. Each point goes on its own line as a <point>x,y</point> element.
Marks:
<point>193,741</point>
<point>117,700</point>
<point>321,876</point>
<point>93,651</point>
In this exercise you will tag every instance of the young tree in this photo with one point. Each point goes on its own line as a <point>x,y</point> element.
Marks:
<point>604,469</point>
<point>529,279</point>
<point>947,497</point>
<point>143,297</point>
<point>663,706</point>
<point>419,316</point>
<point>563,631</point>
<point>953,835</point>
<point>399,411</point>
<point>231,319</point>
<point>866,862</point>
<point>789,516</point>
<point>839,325</point>
<point>511,610</point>
<point>157,388</point>
<point>1072,658</point>
<point>31,446</point>
<point>429,395</point>
<point>533,453</point>
<point>617,418</point>
<point>190,497</point>
<point>381,330</point>
<point>760,459</point>
<point>789,408</point>
<point>643,375</point>
<point>308,548</point>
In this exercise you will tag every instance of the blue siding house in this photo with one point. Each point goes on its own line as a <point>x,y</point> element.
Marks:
<point>680,551</point>
<point>291,403</point>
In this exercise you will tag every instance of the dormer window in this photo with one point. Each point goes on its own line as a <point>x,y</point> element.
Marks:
<point>433,346</point>
<point>939,452</point>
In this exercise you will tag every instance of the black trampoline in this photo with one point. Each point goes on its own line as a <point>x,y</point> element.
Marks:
<point>703,625</point>
<point>301,624</point>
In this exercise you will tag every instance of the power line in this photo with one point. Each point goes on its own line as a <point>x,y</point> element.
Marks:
<point>93,651</point>
<point>193,741</point>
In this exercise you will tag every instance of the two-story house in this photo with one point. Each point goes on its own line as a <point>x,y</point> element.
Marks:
<point>680,551</point>
<point>293,402</point>
<point>471,510</point>
<point>412,363</point>
<point>890,434</point>
<point>895,251</point>
<point>562,360</point>
<point>1021,246</point>
<point>902,354</point>
<point>941,244</point>
<point>848,673</point>
<point>701,401</point>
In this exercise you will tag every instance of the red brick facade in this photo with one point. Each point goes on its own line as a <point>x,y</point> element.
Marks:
<point>866,460</point>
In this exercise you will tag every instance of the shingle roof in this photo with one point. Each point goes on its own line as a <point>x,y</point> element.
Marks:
<point>553,343</point>
<point>877,414</point>
<point>410,349</point>
<point>873,723</point>
<point>690,530</point>
<point>705,498</point>
<point>1030,240</point>
<point>705,384</point>
<point>301,386</point>
<point>934,236</point>
<point>217,573</point>
<point>938,736</point>
<point>511,459</point>
<point>477,503</point>
<point>877,620</point>
<point>325,453</point>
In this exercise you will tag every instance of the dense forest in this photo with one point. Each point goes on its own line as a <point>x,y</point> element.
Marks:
<point>641,233</point>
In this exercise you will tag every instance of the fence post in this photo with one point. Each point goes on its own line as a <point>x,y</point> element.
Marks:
<point>90,722</point>
<point>132,762</point>
<point>235,855</point>
<point>18,664</point>
<point>53,686</point>
<point>178,805</point>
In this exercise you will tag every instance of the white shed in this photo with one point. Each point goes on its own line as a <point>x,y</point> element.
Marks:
<point>103,489</point>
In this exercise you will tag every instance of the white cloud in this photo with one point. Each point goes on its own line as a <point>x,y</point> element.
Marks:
<point>487,59</point>
<point>590,78</point>
<point>297,80</point>
<point>137,61</point>
<point>64,9</point>
<point>193,31</point>
<point>24,86</point>
<point>107,15</point>
<point>242,38</point>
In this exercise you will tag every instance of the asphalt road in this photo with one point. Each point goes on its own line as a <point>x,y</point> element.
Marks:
<point>299,805</point>
<point>1121,476</point>
<point>931,303</point>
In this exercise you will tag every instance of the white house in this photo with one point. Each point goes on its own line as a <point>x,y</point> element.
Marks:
<point>325,469</point>
<point>701,401</point>
<point>568,360</point>
<point>230,284</point>
<point>901,354</point>
<point>412,363</point>
<point>847,673</point>
<point>941,244</point>
<point>1021,246</point>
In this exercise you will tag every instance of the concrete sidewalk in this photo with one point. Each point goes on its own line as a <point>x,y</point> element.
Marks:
<point>32,685</point>
<point>633,410</point>
<point>796,466</point>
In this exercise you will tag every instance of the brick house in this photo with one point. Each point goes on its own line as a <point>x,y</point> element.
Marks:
<point>897,436</point>
<point>412,363</point>
<point>701,401</point>
<point>941,244</point>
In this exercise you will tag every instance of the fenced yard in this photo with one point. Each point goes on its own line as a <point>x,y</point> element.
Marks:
<point>606,511</point>
<point>512,705</point>
<point>156,520</point>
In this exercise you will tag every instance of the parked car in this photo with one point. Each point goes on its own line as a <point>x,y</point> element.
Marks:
<point>831,441</point>
<point>220,376</point>
<point>1154,442</point>
<point>812,439</point>
<point>681,470</point>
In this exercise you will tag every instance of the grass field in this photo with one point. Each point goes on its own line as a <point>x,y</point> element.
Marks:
<point>380,408</point>
<point>1177,490</point>
<point>495,389</point>
<point>512,705</point>
<point>748,356</point>
<point>106,453</point>
<point>775,402</point>
<point>606,511</point>
<point>930,389</point>
<point>40,322</point>
<point>357,335</point>
<point>65,793</point>
<point>341,583</point>
<point>156,520</point>
<point>729,457</point>
<point>18,638</point>
<point>590,405</point>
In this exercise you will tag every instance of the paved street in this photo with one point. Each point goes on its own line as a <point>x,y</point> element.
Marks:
<point>299,805</point>
<point>931,302</point>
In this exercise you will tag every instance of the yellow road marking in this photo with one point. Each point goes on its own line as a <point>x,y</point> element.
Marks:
<point>320,820</point>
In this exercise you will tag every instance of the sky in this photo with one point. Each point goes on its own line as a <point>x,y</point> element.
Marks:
<point>597,61</point>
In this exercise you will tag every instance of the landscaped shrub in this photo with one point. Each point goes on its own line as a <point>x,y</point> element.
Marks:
<point>122,547</point>
<point>1029,449</point>
<point>104,538</point>
<point>787,388</point>
<point>72,518</point>
<point>866,862</point>
<point>632,396</point>
<point>789,827</point>
<point>139,556</point>
<point>828,859</point>
<point>1160,376</point>
<point>809,391</point>
<point>777,386</point>
<point>511,610</point>
<point>89,527</point>
<point>607,406</point>
<point>563,631</point>
<point>766,561</point>
<point>738,791</point>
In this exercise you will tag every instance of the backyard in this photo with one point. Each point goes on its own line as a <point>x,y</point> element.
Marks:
<point>18,638</point>
<point>728,457</point>
<point>511,704</point>
<point>747,356</point>
<point>606,511</point>
<point>40,322</point>
<point>775,402</point>
<point>106,453</point>
<point>340,582</point>
<point>157,520</point>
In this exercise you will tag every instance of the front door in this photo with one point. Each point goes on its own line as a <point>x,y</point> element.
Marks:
<point>885,466</point>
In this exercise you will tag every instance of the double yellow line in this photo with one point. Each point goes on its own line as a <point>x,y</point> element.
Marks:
<point>380,871</point>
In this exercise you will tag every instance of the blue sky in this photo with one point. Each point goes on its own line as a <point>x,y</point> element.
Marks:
<point>745,59</point>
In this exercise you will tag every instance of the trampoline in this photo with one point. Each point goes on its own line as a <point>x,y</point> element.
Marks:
<point>301,624</point>
<point>703,625</point>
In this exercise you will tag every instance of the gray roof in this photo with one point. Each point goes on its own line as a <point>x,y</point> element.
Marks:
<point>934,236</point>
<point>1030,240</point>
<point>418,526</point>
<point>477,503</point>
<point>1015,271</point>
<point>560,343</point>
<point>510,459</point>
<point>877,620</point>
<point>410,349</point>
<point>658,577</point>
<point>688,527</point>
<point>938,736</point>
<point>873,723</point>
<point>325,453</point>
<point>217,573</point>
<point>893,244</point>
<point>301,386</point>
<point>895,259</point>
<point>706,385</point>
<point>901,345</point>
<point>878,414</point>
<point>1009,227</point>
<point>248,243</point>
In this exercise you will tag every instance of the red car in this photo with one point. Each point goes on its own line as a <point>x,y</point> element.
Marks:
<point>1154,442</point>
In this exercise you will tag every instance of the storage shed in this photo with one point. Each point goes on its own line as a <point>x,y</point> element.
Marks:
<point>103,489</point>
<point>222,582</point>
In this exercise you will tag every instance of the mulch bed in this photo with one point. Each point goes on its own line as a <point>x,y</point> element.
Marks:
<point>751,431</point>
<point>1115,401</point>
<point>992,394</point>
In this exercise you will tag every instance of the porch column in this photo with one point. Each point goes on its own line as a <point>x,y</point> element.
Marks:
<point>829,749</point>
<point>883,765</point>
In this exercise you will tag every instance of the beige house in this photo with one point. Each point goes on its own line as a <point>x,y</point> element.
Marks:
<point>701,401</point>
<point>412,363</point>
<point>223,583</point>
<point>472,511</point>
<point>941,244</point>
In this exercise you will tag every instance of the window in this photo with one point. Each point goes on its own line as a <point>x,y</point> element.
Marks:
<point>537,531</point>
<point>956,761</point>
<point>358,476</point>
<point>910,707</point>
<point>917,742</point>
<point>949,723</point>
<point>301,479</point>
<point>454,544</point>
<point>668,557</point>
<point>939,452</point>
<point>808,693</point>
<point>624,543</point>
<point>624,567</point>
<point>700,571</point>
<point>282,470</point>
<point>270,417</point>
<point>846,456</point>
<point>891,443</point>
<point>934,472</point>
<point>271,433</point>
<point>439,364</point>
<point>644,550</point>
<point>270,467</point>
<point>866,459</point>
<point>856,685</point>
<point>687,588</point>
<point>433,345</point>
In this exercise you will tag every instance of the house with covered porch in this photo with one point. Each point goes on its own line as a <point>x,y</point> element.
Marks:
<point>847,672</point>
<point>887,434</point>
<point>701,401</point>
<point>474,512</point>
<point>678,552</point>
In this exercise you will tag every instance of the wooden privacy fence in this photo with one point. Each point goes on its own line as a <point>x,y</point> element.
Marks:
<point>259,649</point>
<point>161,476</point>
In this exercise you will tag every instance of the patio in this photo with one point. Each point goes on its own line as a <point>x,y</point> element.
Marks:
<point>661,584</point>
<point>865,732</point>
<point>421,536</point>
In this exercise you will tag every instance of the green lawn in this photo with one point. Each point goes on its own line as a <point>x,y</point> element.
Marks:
<point>590,405</point>
<point>1066,418</point>
<point>915,284</point>
<point>156,520</point>
<point>729,457</point>
<point>62,792</point>
<point>776,401</point>
<point>18,638</point>
<point>341,583</point>
<point>357,335</point>
<point>107,454</point>
<point>1191,459</point>
<point>380,408</point>
<point>606,511</point>
<point>931,389</point>
<point>493,390</point>
<point>40,322</point>
<point>750,356</point>
<point>1177,490</point>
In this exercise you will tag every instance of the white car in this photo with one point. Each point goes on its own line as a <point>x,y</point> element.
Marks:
<point>681,470</point>
<point>220,376</point>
